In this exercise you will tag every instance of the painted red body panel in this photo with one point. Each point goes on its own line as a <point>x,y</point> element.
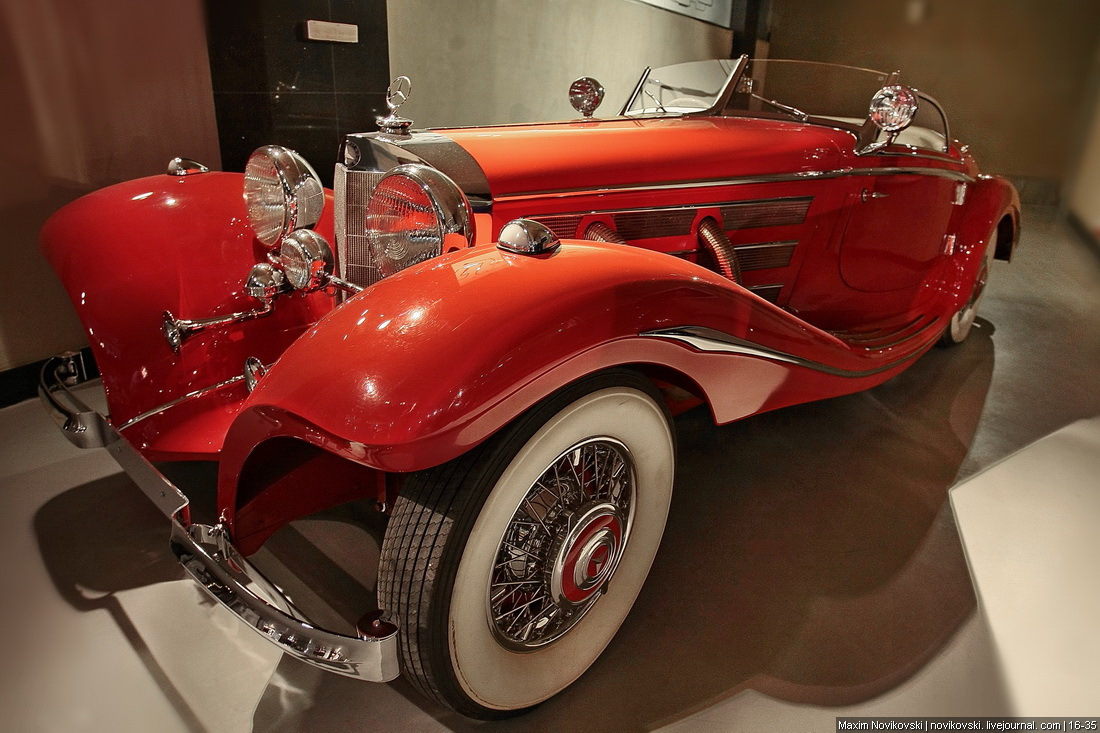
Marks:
<point>521,159</point>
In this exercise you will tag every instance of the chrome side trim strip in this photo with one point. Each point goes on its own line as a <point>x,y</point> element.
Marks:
<point>710,340</point>
<point>678,207</point>
<point>898,150</point>
<point>183,398</point>
<point>747,180</point>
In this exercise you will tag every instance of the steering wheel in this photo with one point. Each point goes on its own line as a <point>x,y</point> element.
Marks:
<point>688,102</point>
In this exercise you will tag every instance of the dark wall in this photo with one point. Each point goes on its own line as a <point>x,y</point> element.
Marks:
<point>273,86</point>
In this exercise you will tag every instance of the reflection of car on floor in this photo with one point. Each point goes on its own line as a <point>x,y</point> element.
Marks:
<point>485,330</point>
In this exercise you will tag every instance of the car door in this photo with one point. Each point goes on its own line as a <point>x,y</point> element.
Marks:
<point>902,209</point>
<point>896,229</point>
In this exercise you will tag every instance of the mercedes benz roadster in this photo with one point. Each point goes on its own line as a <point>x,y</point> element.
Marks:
<point>485,332</point>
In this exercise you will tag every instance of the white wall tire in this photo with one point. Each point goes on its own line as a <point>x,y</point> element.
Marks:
<point>446,537</point>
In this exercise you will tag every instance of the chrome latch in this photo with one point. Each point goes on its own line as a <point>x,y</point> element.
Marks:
<point>254,371</point>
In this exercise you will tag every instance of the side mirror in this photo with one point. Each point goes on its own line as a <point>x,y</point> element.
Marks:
<point>892,109</point>
<point>585,94</point>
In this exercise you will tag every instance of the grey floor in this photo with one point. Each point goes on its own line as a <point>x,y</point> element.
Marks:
<point>812,567</point>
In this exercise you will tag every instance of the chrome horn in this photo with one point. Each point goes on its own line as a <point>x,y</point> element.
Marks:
<point>264,282</point>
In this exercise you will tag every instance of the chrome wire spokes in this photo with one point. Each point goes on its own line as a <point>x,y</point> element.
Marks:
<point>567,533</point>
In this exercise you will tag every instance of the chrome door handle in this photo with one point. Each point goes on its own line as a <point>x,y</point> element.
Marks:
<point>866,195</point>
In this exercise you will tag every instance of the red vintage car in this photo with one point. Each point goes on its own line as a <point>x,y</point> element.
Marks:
<point>486,332</point>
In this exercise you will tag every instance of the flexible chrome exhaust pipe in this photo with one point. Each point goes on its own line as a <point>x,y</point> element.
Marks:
<point>718,246</point>
<point>597,231</point>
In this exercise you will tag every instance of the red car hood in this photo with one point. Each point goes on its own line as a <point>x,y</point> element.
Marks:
<point>523,159</point>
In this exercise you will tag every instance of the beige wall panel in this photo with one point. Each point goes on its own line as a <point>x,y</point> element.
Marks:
<point>1084,191</point>
<point>94,92</point>
<point>495,61</point>
<point>1085,199</point>
<point>1011,73</point>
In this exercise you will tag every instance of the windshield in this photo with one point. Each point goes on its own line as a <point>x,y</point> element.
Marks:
<point>767,88</point>
<point>803,89</point>
<point>808,91</point>
<point>693,86</point>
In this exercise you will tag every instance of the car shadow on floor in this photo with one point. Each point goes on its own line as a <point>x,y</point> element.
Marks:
<point>810,555</point>
<point>103,538</point>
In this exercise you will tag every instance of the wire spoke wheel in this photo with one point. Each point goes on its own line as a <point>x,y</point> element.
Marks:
<point>562,545</point>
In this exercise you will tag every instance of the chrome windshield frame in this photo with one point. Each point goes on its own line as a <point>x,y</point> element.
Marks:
<point>719,103</point>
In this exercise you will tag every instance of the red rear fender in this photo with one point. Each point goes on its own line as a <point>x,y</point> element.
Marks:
<point>992,209</point>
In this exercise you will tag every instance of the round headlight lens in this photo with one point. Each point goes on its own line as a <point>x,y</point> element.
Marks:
<point>893,108</point>
<point>306,259</point>
<point>282,193</point>
<point>414,214</point>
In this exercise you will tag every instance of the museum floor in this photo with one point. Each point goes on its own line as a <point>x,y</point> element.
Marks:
<point>871,554</point>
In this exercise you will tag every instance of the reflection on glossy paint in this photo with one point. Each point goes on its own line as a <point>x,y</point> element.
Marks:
<point>142,196</point>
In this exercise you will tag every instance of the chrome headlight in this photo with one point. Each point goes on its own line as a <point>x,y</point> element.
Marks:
<point>282,193</point>
<point>414,214</point>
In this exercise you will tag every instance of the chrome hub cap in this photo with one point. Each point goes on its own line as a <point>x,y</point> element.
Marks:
<point>586,555</point>
<point>562,545</point>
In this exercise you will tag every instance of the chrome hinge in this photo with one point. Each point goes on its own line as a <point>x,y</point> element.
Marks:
<point>72,370</point>
<point>960,194</point>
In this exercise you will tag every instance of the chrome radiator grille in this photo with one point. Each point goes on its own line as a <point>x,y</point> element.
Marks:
<point>352,190</point>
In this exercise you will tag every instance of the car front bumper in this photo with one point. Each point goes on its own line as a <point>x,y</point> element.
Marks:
<point>207,554</point>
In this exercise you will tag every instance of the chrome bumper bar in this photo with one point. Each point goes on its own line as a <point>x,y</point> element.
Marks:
<point>208,556</point>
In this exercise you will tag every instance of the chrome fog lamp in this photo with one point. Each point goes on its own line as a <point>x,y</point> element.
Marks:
<point>306,259</point>
<point>264,282</point>
<point>893,108</point>
<point>282,193</point>
<point>415,213</point>
<point>527,237</point>
<point>585,94</point>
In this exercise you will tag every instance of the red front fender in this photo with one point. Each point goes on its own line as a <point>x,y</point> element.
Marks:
<point>428,363</point>
<point>129,252</point>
